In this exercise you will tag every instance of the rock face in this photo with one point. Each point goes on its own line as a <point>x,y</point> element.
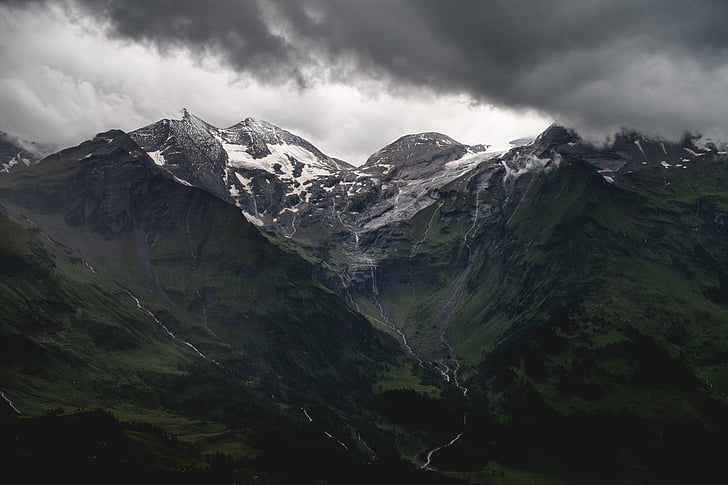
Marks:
<point>269,173</point>
<point>283,183</point>
<point>571,297</point>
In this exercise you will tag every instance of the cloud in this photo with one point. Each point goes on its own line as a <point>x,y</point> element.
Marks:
<point>655,65</point>
<point>65,79</point>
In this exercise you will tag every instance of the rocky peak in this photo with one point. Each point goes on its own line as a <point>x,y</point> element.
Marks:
<point>418,148</point>
<point>554,136</point>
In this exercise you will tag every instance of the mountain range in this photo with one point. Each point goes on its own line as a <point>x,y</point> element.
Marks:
<point>246,306</point>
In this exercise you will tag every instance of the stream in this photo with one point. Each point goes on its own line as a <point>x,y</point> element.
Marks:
<point>446,314</point>
<point>169,332</point>
<point>10,403</point>
<point>385,321</point>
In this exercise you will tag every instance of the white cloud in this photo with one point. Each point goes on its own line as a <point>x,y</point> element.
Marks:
<point>63,81</point>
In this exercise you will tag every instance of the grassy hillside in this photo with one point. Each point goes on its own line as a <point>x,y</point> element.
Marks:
<point>589,318</point>
<point>127,291</point>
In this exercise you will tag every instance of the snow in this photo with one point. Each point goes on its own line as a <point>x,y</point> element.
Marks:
<point>180,181</point>
<point>236,153</point>
<point>157,157</point>
<point>238,157</point>
<point>412,195</point>
<point>468,161</point>
<point>665,164</point>
<point>245,181</point>
<point>639,145</point>
<point>608,178</point>
<point>691,152</point>
<point>279,162</point>
<point>253,219</point>
<point>703,144</point>
<point>11,163</point>
<point>527,162</point>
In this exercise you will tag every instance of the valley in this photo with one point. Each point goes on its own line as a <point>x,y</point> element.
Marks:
<point>440,314</point>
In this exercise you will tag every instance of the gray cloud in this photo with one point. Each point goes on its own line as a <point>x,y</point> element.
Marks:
<point>656,65</point>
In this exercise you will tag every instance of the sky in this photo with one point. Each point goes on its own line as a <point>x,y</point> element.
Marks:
<point>351,76</point>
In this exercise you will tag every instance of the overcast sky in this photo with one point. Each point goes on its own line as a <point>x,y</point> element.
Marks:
<point>353,75</point>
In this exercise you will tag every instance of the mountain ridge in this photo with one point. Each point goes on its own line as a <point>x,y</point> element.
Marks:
<point>560,307</point>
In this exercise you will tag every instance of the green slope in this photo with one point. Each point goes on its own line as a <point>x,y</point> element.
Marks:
<point>589,319</point>
<point>127,291</point>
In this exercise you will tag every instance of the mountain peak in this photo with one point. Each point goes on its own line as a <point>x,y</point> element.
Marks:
<point>425,138</point>
<point>556,135</point>
<point>258,126</point>
<point>417,148</point>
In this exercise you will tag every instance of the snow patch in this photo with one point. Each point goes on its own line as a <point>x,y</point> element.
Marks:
<point>253,219</point>
<point>183,182</point>
<point>247,183</point>
<point>157,157</point>
<point>522,163</point>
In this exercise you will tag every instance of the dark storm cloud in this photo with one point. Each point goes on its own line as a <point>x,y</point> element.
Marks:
<point>650,64</point>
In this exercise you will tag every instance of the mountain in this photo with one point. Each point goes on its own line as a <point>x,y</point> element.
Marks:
<point>286,185</point>
<point>553,286</point>
<point>574,291</point>
<point>126,290</point>
<point>558,311</point>
<point>265,170</point>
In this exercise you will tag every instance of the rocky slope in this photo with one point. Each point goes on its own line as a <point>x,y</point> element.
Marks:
<point>286,185</point>
<point>561,284</point>
<point>269,173</point>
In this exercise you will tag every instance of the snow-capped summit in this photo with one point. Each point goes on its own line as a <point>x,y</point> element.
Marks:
<point>418,148</point>
<point>263,169</point>
<point>285,184</point>
<point>259,144</point>
<point>412,170</point>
